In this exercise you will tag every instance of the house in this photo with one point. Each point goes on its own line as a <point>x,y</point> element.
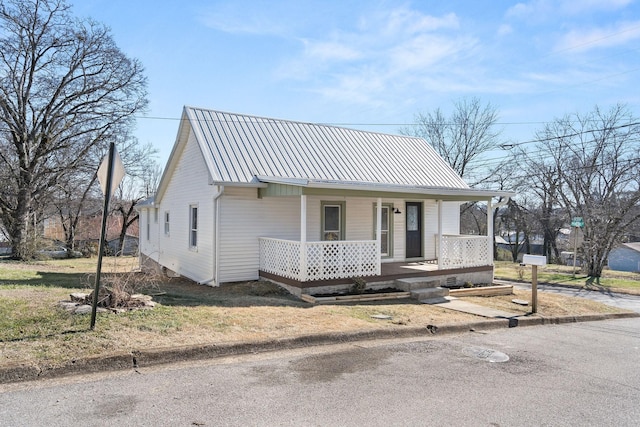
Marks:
<point>625,257</point>
<point>302,204</point>
<point>129,245</point>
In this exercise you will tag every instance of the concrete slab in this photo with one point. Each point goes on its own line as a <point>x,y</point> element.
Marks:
<point>467,307</point>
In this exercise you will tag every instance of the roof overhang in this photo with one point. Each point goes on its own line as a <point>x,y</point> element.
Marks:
<point>278,186</point>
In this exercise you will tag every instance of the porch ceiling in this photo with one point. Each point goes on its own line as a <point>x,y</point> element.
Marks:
<point>278,187</point>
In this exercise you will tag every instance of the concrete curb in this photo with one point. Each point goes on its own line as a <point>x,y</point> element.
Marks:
<point>153,357</point>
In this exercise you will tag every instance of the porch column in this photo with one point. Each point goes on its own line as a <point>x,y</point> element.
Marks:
<point>379,233</point>
<point>439,235</point>
<point>303,238</point>
<point>490,237</point>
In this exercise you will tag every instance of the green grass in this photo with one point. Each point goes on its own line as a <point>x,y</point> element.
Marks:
<point>563,275</point>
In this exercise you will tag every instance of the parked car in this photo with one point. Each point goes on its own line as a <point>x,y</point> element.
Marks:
<point>59,252</point>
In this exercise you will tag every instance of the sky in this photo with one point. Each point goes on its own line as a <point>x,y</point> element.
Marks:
<point>374,65</point>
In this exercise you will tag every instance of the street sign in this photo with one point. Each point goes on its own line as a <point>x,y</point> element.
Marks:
<point>577,222</point>
<point>117,172</point>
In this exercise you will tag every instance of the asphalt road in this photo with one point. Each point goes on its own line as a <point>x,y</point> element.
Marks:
<point>582,374</point>
<point>625,301</point>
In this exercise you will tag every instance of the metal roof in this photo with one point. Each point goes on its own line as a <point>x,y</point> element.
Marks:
<point>240,149</point>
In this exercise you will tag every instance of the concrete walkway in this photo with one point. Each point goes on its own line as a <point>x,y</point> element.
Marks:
<point>453,303</point>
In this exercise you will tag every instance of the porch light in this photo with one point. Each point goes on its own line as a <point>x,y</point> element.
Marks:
<point>396,211</point>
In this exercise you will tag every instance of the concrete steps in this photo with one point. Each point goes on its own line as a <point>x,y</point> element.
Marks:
<point>423,289</point>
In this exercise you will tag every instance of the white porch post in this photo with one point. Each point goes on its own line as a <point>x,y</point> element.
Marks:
<point>303,238</point>
<point>439,234</point>
<point>490,237</point>
<point>379,233</point>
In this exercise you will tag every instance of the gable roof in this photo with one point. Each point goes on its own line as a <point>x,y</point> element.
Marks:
<point>241,147</point>
<point>250,150</point>
<point>633,246</point>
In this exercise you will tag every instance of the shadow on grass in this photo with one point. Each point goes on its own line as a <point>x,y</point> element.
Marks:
<point>593,283</point>
<point>182,292</point>
<point>50,280</point>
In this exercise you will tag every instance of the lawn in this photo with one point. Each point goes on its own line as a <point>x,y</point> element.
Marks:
<point>563,274</point>
<point>33,329</point>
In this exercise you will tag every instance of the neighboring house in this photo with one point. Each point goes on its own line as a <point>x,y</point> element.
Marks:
<point>88,229</point>
<point>129,246</point>
<point>5,248</point>
<point>303,204</point>
<point>625,257</point>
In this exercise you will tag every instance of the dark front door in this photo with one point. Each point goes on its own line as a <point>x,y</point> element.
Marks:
<point>414,229</point>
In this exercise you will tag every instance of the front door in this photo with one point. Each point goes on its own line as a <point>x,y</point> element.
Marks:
<point>414,229</point>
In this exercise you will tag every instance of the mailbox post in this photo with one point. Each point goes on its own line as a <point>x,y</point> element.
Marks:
<point>534,261</point>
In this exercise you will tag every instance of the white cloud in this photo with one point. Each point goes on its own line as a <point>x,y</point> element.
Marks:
<point>545,10</point>
<point>582,6</point>
<point>330,51</point>
<point>580,40</point>
<point>411,22</point>
<point>505,30</point>
<point>385,49</point>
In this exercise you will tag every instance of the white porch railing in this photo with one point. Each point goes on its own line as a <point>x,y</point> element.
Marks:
<point>319,260</point>
<point>464,251</point>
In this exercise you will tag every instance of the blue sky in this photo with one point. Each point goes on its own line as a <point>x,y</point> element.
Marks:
<point>374,64</point>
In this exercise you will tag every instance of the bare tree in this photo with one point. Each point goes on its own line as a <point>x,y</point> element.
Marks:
<point>597,157</point>
<point>463,139</point>
<point>65,88</point>
<point>141,182</point>
<point>543,188</point>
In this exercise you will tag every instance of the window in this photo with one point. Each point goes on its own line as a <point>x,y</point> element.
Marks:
<point>193,226</point>
<point>148,225</point>
<point>333,219</point>
<point>385,228</point>
<point>155,216</point>
<point>166,223</point>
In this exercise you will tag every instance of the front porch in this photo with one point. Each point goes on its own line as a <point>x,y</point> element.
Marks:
<point>306,265</point>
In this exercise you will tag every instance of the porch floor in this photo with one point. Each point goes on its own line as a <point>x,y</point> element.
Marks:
<point>389,271</point>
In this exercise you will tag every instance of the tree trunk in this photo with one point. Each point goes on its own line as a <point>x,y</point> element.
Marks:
<point>20,246</point>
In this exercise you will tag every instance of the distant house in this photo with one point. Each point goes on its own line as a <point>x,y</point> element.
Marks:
<point>5,248</point>
<point>88,229</point>
<point>625,257</point>
<point>129,246</point>
<point>245,197</point>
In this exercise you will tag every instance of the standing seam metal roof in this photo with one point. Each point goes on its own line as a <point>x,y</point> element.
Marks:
<point>242,147</point>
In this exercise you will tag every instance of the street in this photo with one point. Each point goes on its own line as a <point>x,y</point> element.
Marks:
<point>573,374</point>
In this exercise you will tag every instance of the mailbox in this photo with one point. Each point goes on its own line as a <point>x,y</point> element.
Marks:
<point>534,259</point>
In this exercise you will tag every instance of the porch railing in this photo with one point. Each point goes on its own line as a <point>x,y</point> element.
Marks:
<point>464,251</point>
<point>319,260</point>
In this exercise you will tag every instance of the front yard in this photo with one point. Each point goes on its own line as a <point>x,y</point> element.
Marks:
<point>616,281</point>
<point>33,329</point>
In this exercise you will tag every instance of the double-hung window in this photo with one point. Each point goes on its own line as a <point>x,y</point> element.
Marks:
<point>333,219</point>
<point>386,228</point>
<point>193,226</point>
<point>166,223</point>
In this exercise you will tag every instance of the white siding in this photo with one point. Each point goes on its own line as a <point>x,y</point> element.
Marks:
<point>189,186</point>
<point>359,220</point>
<point>451,218</point>
<point>148,246</point>
<point>243,219</point>
<point>430,229</point>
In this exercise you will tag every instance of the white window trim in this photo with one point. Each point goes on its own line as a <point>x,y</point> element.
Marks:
<point>193,229</point>
<point>167,223</point>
